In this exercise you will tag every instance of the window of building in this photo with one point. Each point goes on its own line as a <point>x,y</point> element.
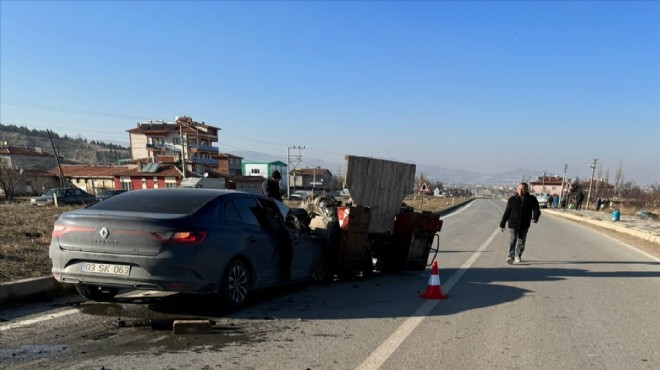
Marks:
<point>126,184</point>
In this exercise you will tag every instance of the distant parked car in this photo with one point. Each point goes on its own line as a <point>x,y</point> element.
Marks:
<point>298,195</point>
<point>221,242</point>
<point>543,200</point>
<point>65,196</point>
<point>105,194</point>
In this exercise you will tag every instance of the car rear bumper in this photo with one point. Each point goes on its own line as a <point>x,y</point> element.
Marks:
<point>171,273</point>
<point>182,282</point>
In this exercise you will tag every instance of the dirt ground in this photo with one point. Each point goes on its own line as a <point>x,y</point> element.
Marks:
<point>25,233</point>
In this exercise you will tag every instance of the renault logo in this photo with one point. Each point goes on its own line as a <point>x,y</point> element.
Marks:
<point>104,232</point>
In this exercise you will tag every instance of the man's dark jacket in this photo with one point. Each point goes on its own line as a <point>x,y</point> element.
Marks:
<point>520,211</point>
<point>271,188</point>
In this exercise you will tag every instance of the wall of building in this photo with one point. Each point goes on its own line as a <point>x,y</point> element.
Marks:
<point>255,169</point>
<point>138,146</point>
<point>93,186</point>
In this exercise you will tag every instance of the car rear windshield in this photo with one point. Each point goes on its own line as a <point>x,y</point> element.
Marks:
<point>157,201</point>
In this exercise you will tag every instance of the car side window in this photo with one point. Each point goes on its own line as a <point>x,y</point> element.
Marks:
<point>231,214</point>
<point>272,215</point>
<point>248,209</point>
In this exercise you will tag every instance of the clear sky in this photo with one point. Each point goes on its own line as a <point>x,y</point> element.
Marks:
<point>479,86</point>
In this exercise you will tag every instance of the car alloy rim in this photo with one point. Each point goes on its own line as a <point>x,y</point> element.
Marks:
<point>319,273</point>
<point>238,283</point>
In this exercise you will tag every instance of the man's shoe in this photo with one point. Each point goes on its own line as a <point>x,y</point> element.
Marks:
<point>517,260</point>
<point>509,260</point>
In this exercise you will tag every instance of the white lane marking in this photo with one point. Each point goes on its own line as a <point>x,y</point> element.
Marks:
<point>23,323</point>
<point>385,350</point>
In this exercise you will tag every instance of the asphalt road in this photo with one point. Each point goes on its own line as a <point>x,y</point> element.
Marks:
<point>579,300</point>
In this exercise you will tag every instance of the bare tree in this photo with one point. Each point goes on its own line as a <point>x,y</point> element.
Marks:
<point>8,180</point>
<point>607,177</point>
<point>618,179</point>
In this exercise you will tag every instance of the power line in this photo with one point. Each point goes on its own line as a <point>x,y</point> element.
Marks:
<point>55,108</point>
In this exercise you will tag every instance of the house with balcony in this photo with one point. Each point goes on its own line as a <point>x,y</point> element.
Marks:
<point>184,143</point>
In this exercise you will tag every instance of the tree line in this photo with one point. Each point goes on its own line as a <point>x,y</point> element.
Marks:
<point>44,134</point>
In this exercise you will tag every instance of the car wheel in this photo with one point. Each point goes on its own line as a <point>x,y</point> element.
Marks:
<point>235,286</point>
<point>321,271</point>
<point>97,293</point>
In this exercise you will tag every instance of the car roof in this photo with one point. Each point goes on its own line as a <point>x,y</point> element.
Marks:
<point>170,200</point>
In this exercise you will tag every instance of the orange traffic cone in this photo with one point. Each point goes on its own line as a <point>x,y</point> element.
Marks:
<point>433,289</point>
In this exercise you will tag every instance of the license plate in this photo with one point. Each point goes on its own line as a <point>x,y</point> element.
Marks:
<point>106,268</point>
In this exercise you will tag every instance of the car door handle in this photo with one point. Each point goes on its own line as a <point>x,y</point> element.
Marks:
<point>251,238</point>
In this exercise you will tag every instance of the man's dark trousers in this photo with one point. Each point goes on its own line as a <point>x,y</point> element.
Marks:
<point>517,242</point>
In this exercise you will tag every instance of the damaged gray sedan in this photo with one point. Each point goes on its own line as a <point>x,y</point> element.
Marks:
<point>220,242</point>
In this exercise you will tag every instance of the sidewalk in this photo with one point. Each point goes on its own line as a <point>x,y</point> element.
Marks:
<point>644,229</point>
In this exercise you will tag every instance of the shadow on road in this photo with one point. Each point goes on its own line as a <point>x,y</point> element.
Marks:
<point>383,296</point>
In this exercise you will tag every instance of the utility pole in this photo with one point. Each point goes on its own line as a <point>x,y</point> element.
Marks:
<point>593,171</point>
<point>183,151</point>
<point>289,161</point>
<point>563,181</point>
<point>57,159</point>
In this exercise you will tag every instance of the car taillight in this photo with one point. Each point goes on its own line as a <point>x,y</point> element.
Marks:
<point>60,230</point>
<point>183,237</point>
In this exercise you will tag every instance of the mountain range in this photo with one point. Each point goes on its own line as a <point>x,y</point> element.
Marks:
<point>432,172</point>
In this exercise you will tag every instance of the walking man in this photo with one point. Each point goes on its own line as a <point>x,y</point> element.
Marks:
<point>579,198</point>
<point>271,186</point>
<point>521,210</point>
